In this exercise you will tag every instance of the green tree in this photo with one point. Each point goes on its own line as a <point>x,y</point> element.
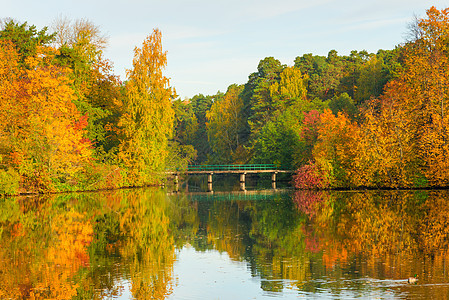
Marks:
<point>325,73</point>
<point>370,82</point>
<point>25,38</point>
<point>353,64</point>
<point>201,105</point>
<point>276,105</point>
<point>277,141</point>
<point>186,123</point>
<point>343,103</point>
<point>260,101</point>
<point>181,149</point>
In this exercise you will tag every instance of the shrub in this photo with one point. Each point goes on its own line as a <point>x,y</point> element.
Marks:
<point>9,182</point>
<point>308,177</point>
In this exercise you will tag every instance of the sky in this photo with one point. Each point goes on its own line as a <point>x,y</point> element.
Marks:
<point>213,44</point>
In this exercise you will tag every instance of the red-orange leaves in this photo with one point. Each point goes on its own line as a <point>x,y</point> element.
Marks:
<point>336,149</point>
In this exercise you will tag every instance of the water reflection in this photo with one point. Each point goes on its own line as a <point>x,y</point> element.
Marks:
<point>85,246</point>
<point>145,244</point>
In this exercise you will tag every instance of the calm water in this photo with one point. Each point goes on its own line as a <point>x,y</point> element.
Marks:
<point>150,244</point>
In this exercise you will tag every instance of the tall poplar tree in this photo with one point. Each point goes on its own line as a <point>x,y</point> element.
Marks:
<point>148,117</point>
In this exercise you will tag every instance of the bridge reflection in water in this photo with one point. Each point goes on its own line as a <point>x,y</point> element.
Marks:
<point>243,170</point>
<point>256,195</point>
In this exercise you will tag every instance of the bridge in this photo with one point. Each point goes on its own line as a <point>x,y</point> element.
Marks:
<point>243,170</point>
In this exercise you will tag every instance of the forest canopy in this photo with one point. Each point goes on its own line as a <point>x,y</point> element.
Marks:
<point>342,121</point>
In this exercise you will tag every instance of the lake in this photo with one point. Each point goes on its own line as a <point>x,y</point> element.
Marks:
<point>260,244</point>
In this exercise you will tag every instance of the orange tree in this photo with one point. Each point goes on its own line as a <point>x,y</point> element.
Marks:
<point>41,129</point>
<point>409,126</point>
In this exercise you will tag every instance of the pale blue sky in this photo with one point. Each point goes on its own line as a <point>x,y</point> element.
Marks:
<point>212,44</point>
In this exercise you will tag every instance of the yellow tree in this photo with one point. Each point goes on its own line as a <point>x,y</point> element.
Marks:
<point>147,121</point>
<point>52,111</point>
<point>9,85</point>
<point>290,89</point>
<point>224,123</point>
<point>428,83</point>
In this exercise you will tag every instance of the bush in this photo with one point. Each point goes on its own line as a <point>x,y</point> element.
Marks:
<point>9,182</point>
<point>308,177</point>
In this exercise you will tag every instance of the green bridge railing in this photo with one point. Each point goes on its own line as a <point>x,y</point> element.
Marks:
<point>252,167</point>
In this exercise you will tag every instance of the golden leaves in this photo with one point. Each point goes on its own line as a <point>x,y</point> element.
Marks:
<point>42,116</point>
<point>403,139</point>
<point>224,123</point>
<point>148,123</point>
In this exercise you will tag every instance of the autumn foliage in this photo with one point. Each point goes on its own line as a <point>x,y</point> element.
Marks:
<point>65,125</point>
<point>361,120</point>
<point>147,122</point>
<point>42,130</point>
<point>401,138</point>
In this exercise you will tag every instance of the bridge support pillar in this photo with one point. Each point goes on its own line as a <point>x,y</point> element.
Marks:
<point>176,182</point>
<point>209,182</point>
<point>273,180</point>
<point>242,181</point>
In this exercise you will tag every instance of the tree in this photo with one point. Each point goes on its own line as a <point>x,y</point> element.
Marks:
<point>370,82</point>
<point>324,73</point>
<point>81,44</point>
<point>260,102</point>
<point>181,149</point>
<point>186,123</point>
<point>26,39</point>
<point>386,158</point>
<point>148,120</point>
<point>42,132</point>
<point>427,67</point>
<point>410,126</point>
<point>201,105</point>
<point>277,141</point>
<point>343,103</point>
<point>224,124</point>
<point>81,34</point>
<point>290,90</point>
<point>336,149</point>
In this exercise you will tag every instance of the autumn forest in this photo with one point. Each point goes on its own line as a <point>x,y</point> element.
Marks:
<point>371,120</point>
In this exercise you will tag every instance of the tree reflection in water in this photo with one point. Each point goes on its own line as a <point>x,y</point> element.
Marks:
<point>86,246</point>
<point>102,245</point>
